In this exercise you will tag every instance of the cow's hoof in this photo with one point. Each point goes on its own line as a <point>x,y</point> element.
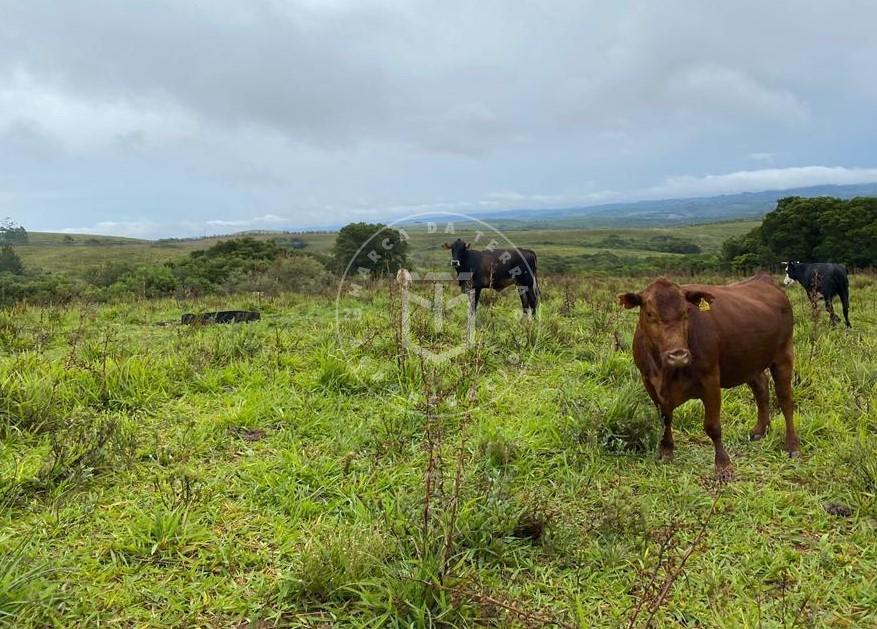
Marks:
<point>665,455</point>
<point>795,454</point>
<point>725,474</point>
<point>754,436</point>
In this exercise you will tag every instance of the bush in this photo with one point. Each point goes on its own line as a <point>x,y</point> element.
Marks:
<point>497,450</point>
<point>375,250</point>
<point>331,563</point>
<point>43,288</point>
<point>216,266</point>
<point>299,273</point>
<point>10,262</point>
<point>230,266</point>
<point>628,424</point>
<point>147,281</point>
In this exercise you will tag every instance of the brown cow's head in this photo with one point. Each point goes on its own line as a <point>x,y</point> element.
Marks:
<point>663,318</point>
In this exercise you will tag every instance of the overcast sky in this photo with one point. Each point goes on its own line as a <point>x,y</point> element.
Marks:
<point>184,117</point>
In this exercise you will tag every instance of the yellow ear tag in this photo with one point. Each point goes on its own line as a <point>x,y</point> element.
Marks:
<point>704,305</point>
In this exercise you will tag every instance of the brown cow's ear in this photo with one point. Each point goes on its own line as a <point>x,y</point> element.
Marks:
<point>445,245</point>
<point>697,296</point>
<point>630,300</point>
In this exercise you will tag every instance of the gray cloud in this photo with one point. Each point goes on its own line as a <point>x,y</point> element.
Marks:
<point>163,113</point>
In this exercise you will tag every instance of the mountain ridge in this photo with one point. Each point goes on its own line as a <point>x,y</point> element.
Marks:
<point>673,211</point>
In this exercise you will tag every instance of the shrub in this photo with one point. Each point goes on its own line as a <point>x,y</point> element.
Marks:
<point>628,425</point>
<point>336,375</point>
<point>375,250</point>
<point>497,450</point>
<point>331,564</point>
<point>299,273</point>
<point>10,262</point>
<point>164,533</point>
<point>147,281</point>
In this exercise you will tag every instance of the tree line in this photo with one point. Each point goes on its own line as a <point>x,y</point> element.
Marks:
<point>810,229</point>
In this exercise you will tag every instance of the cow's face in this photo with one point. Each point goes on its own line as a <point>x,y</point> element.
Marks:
<point>794,272</point>
<point>458,253</point>
<point>663,318</point>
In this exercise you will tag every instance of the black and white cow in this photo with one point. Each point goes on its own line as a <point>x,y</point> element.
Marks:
<point>496,269</point>
<point>824,278</point>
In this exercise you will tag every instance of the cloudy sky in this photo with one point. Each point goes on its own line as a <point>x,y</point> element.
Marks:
<point>185,117</point>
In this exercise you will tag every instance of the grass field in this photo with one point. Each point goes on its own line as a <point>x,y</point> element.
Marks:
<point>84,255</point>
<point>295,472</point>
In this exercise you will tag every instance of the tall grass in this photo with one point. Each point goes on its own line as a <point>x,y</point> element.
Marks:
<point>295,472</point>
<point>25,591</point>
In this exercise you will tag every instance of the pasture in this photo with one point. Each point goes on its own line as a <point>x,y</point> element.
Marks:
<point>80,256</point>
<point>291,472</point>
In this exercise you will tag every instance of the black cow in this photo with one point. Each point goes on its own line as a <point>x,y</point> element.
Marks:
<point>496,269</point>
<point>223,316</point>
<point>824,278</point>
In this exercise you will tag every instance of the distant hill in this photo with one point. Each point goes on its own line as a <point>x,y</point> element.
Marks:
<point>744,205</point>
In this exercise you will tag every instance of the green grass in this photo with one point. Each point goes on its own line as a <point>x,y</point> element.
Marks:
<point>275,472</point>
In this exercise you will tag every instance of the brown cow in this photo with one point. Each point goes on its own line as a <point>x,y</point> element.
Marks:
<point>693,340</point>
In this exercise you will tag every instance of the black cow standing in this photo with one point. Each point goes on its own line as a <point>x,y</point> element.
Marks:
<point>496,269</point>
<point>824,278</point>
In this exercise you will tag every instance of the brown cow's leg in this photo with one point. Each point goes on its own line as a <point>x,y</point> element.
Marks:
<point>782,382</point>
<point>762,400</point>
<point>712,406</point>
<point>665,449</point>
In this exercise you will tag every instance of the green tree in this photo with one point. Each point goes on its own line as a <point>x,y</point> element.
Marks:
<point>12,233</point>
<point>366,249</point>
<point>794,229</point>
<point>10,262</point>
<point>849,232</point>
<point>809,229</point>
